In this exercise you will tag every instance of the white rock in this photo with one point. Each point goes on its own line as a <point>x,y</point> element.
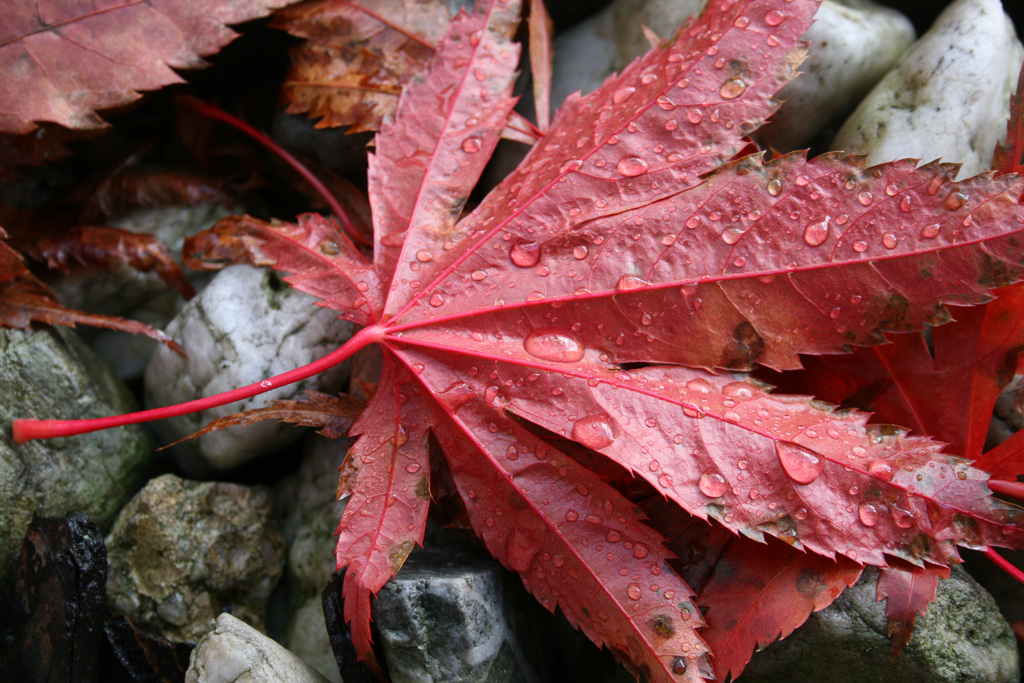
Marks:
<point>234,652</point>
<point>246,326</point>
<point>307,639</point>
<point>948,97</point>
<point>853,43</point>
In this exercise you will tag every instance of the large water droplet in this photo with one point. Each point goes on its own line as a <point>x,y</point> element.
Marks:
<point>889,241</point>
<point>699,385</point>
<point>580,251</point>
<point>774,17</point>
<point>436,300</point>
<point>865,198</point>
<point>712,484</point>
<point>732,235</point>
<point>594,432</point>
<point>732,88</point>
<point>954,200</point>
<point>815,234</point>
<point>800,464</point>
<point>471,145</point>
<point>633,591</point>
<point>775,186</point>
<point>525,254</point>
<point>554,344</point>
<point>623,94</point>
<point>868,514</point>
<point>630,282</point>
<point>631,166</point>
<point>930,232</point>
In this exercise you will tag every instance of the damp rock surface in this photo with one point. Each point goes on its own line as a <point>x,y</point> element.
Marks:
<point>49,373</point>
<point>182,552</point>
<point>962,639</point>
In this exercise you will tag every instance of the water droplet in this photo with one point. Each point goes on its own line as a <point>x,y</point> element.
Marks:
<point>889,240</point>
<point>580,252</point>
<point>554,344</point>
<point>665,103</point>
<point>741,22</point>
<point>732,235</point>
<point>412,468</point>
<point>906,204</point>
<point>679,666</point>
<point>329,248</point>
<point>558,560</point>
<point>740,390</point>
<point>623,94</point>
<point>775,186</point>
<point>732,88</point>
<point>860,246</point>
<point>639,551</point>
<point>694,116</point>
<point>424,256</point>
<point>525,254</point>
<point>868,514</point>
<point>712,484</point>
<point>630,282</point>
<point>647,79</point>
<point>631,166</point>
<point>774,17</point>
<point>954,200</point>
<point>815,234</point>
<point>594,432</point>
<point>699,385</point>
<point>930,232</point>
<point>671,124</point>
<point>436,300</point>
<point>633,591</point>
<point>478,275</point>
<point>668,240</point>
<point>800,464</point>
<point>571,516</point>
<point>880,469</point>
<point>903,519</point>
<point>471,145</point>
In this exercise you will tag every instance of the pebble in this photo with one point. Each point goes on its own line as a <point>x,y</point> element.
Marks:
<point>181,552</point>
<point>246,326</point>
<point>234,652</point>
<point>948,97</point>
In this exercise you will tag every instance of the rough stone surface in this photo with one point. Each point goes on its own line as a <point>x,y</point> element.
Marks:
<point>949,95</point>
<point>246,326</point>
<point>181,552</point>
<point>310,515</point>
<point>50,373</point>
<point>962,639</point>
<point>449,617</point>
<point>853,43</point>
<point>232,651</point>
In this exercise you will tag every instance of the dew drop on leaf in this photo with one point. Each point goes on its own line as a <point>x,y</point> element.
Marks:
<point>815,234</point>
<point>775,186</point>
<point>799,464</point>
<point>694,116</point>
<point>630,282</point>
<point>868,514</point>
<point>436,300</point>
<point>699,385</point>
<point>554,344</point>
<point>525,254</point>
<point>860,246</point>
<point>631,166</point>
<point>623,94</point>
<point>594,432</point>
<point>424,256</point>
<point>732,235</point>
<point>930,232</point>
<point>889,241</point>
<point>639,551</point>
<point>679,666</point>
<point>774,17</point>
<point>580,251</point>
<point>954,200</point>
<point>732,88</point>
<point>633,591</point>
<point>865,198</point>
<point>712,484</point>
<point>471,145</point>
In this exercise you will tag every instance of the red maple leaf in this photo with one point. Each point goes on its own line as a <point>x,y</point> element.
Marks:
<point>604,293</point>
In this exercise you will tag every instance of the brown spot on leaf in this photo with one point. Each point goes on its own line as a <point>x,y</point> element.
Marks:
<point>747,346</point>
<point>662,626</point>
<point>809,585</point>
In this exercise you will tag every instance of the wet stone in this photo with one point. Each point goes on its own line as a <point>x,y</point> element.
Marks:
<point>913,113</point>
<point>454,616</point>
<point>961,638</point>
<point>309,512</point>
<point>246,326</point>
<point>232,651</point>
<point>50,373</point>
<point>58,607</point>
<point>181,552</point>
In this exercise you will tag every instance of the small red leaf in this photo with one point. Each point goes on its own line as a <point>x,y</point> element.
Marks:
<point>907,592</point>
